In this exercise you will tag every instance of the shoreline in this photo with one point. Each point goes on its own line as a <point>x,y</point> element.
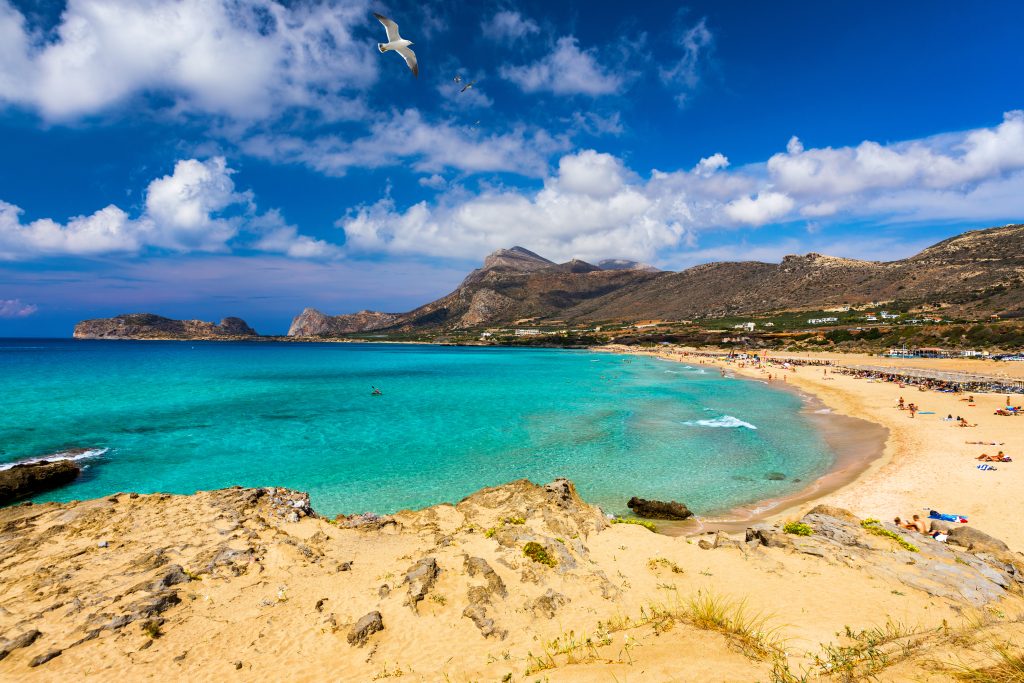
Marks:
<point>854,456</point>
<point>926,463</point>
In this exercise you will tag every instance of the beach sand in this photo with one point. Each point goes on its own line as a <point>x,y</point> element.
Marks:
<point>926,462</point>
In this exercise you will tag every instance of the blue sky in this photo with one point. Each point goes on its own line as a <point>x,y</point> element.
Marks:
<point>205,158</point>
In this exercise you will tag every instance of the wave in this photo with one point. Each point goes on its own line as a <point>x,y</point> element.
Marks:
<point>63,455</point>
<point>723,421</point>
<point>823,411</point>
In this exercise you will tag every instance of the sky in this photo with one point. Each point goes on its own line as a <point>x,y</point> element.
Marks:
<point>207,158</point>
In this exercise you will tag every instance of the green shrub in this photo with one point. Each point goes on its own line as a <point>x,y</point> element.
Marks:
<point>536,552</point>
<point>872,526</point>
<point>798,529</point>
<point>633,520</point>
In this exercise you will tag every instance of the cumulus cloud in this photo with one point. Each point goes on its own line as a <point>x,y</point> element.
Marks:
<point>684,74</point>
<point>194,209</point>
<point>14,308</point>
<point>594,205</point>
<point>242,58</point>
<point>566,70</point>
<point>406,138</point>
<point>509,26</point>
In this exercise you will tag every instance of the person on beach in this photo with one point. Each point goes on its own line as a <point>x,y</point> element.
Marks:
<point>913,409</point>
<point>918,525</point>
<point>901,405</point>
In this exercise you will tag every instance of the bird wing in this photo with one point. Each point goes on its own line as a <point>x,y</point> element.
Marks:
<point>389,26</point>
<point>410,59</point>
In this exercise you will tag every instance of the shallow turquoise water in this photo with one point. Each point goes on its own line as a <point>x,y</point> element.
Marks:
<point>181,416</point>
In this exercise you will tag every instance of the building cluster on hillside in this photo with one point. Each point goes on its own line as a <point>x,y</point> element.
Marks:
<point>822,321</point>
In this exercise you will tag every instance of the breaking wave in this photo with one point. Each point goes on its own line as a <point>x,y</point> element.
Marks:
<point>723,421</point>
<point>76,454</point>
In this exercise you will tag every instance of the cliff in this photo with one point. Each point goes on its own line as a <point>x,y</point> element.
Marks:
<point>149,326</point>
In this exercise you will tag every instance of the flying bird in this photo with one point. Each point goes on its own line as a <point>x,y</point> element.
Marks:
<point>397,43</point>
<point>458,78</point>
<point>467,86</point>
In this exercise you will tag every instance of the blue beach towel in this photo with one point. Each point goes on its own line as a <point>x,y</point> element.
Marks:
<point>926,412</point>
<point>985,466</point>
<point>934,514</point>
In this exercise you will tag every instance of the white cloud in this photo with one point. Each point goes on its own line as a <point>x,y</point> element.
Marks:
<point>509,26</point>
<point>684,74</point>
<point>242,58</point>
<point>764,208</point>
<point>14,308</point>
<point>278,237</point>
<point>566,70</point>
<point>434,182</point>
<point>708,165</point>
<point>592,123</point>
<point>594,205</point>
<point>406,138</point>
<point>186,211</point>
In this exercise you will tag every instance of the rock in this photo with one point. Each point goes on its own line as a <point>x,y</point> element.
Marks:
<point>344,567</point>
<point>44,658</point>
<point>238,665</point>
<point>24,640</point>
<point>367,625</point>
<point>771,538</point>
<point>172,576</point>
<point>31,478</point>
<point>320,604</point>
<point>478,566</point>
<point>837,512</point>
<point>478,615</point>
<point>974,540</point>
<point>420,578</point>
<point>313,323</point>
<point>775,476</point>
<point>705,544</point>
<point>103,544</point>
<point>384,591</point>
<point>657,509</point>
<point>547,604</point>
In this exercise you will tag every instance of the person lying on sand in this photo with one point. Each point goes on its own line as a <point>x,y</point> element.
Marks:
<point>964,423</point>
<point>998,457</point>
<point>986,443</point>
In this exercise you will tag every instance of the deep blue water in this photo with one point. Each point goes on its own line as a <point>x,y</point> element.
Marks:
<point>185,416</point>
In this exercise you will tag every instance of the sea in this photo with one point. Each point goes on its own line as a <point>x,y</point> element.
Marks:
<point>179,417</point>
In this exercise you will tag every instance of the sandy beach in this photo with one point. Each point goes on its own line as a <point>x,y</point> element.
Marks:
<point>927,463</point>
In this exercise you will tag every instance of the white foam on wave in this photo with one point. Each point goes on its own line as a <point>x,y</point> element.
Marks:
<point>823,411</point>
<point>89,453</point>
<point>723,421</point>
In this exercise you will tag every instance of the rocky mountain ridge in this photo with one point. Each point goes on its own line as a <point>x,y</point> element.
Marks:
<point>150,326</point>
<point>974,275</point>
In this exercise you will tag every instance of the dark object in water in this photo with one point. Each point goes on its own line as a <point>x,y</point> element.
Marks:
<point>658,509</point>
<point>31,478</point>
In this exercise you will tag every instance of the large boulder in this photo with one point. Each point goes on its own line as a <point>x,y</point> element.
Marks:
<point>25,480</point>
<point>658,509</point>
<point>367,625</point>
<point>976,541</point>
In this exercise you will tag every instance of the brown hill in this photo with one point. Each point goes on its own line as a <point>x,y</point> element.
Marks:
<point>150,326</point>
<point>976,274</point>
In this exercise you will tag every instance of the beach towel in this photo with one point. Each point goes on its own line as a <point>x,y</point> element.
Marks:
<point>934,514</point>
<point>985,466</point>
<point>926,412</point>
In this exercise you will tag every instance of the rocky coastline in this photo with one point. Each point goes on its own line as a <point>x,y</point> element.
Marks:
<point>511,583</point>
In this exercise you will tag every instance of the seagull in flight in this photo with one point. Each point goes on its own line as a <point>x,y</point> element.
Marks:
<point>397,43</point>
<point>467,86</point>
<point>458,78</point>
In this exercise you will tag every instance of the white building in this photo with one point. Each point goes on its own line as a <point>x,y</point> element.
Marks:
<point>527,332</point>
<point>822,321</point>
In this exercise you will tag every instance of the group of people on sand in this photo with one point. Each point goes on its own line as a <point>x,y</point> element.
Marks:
<point>912,407</point>
<point>936,531</point>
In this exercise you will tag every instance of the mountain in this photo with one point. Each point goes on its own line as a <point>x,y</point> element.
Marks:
<point>313,323</point>
<point>973,275</point>
<point>149,326</point>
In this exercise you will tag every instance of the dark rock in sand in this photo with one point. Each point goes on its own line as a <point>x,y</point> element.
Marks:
<point>420,578</point>
<point>974,540</point>
<point>658,509</point>
<point>24,640</point>
<point>367,625</point>
<point>44,658</point>
<point>26,480</point>
<point>775,476</point>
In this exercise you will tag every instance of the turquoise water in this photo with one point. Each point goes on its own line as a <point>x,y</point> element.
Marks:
<point>182,416</point>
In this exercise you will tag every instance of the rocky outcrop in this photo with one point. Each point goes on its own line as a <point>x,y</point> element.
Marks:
<point>313,323</point>
<point>975,540</point>
<point>29,479</point>
<point>150,326</point>
<point>658,509</point>
<point>367,625</point>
